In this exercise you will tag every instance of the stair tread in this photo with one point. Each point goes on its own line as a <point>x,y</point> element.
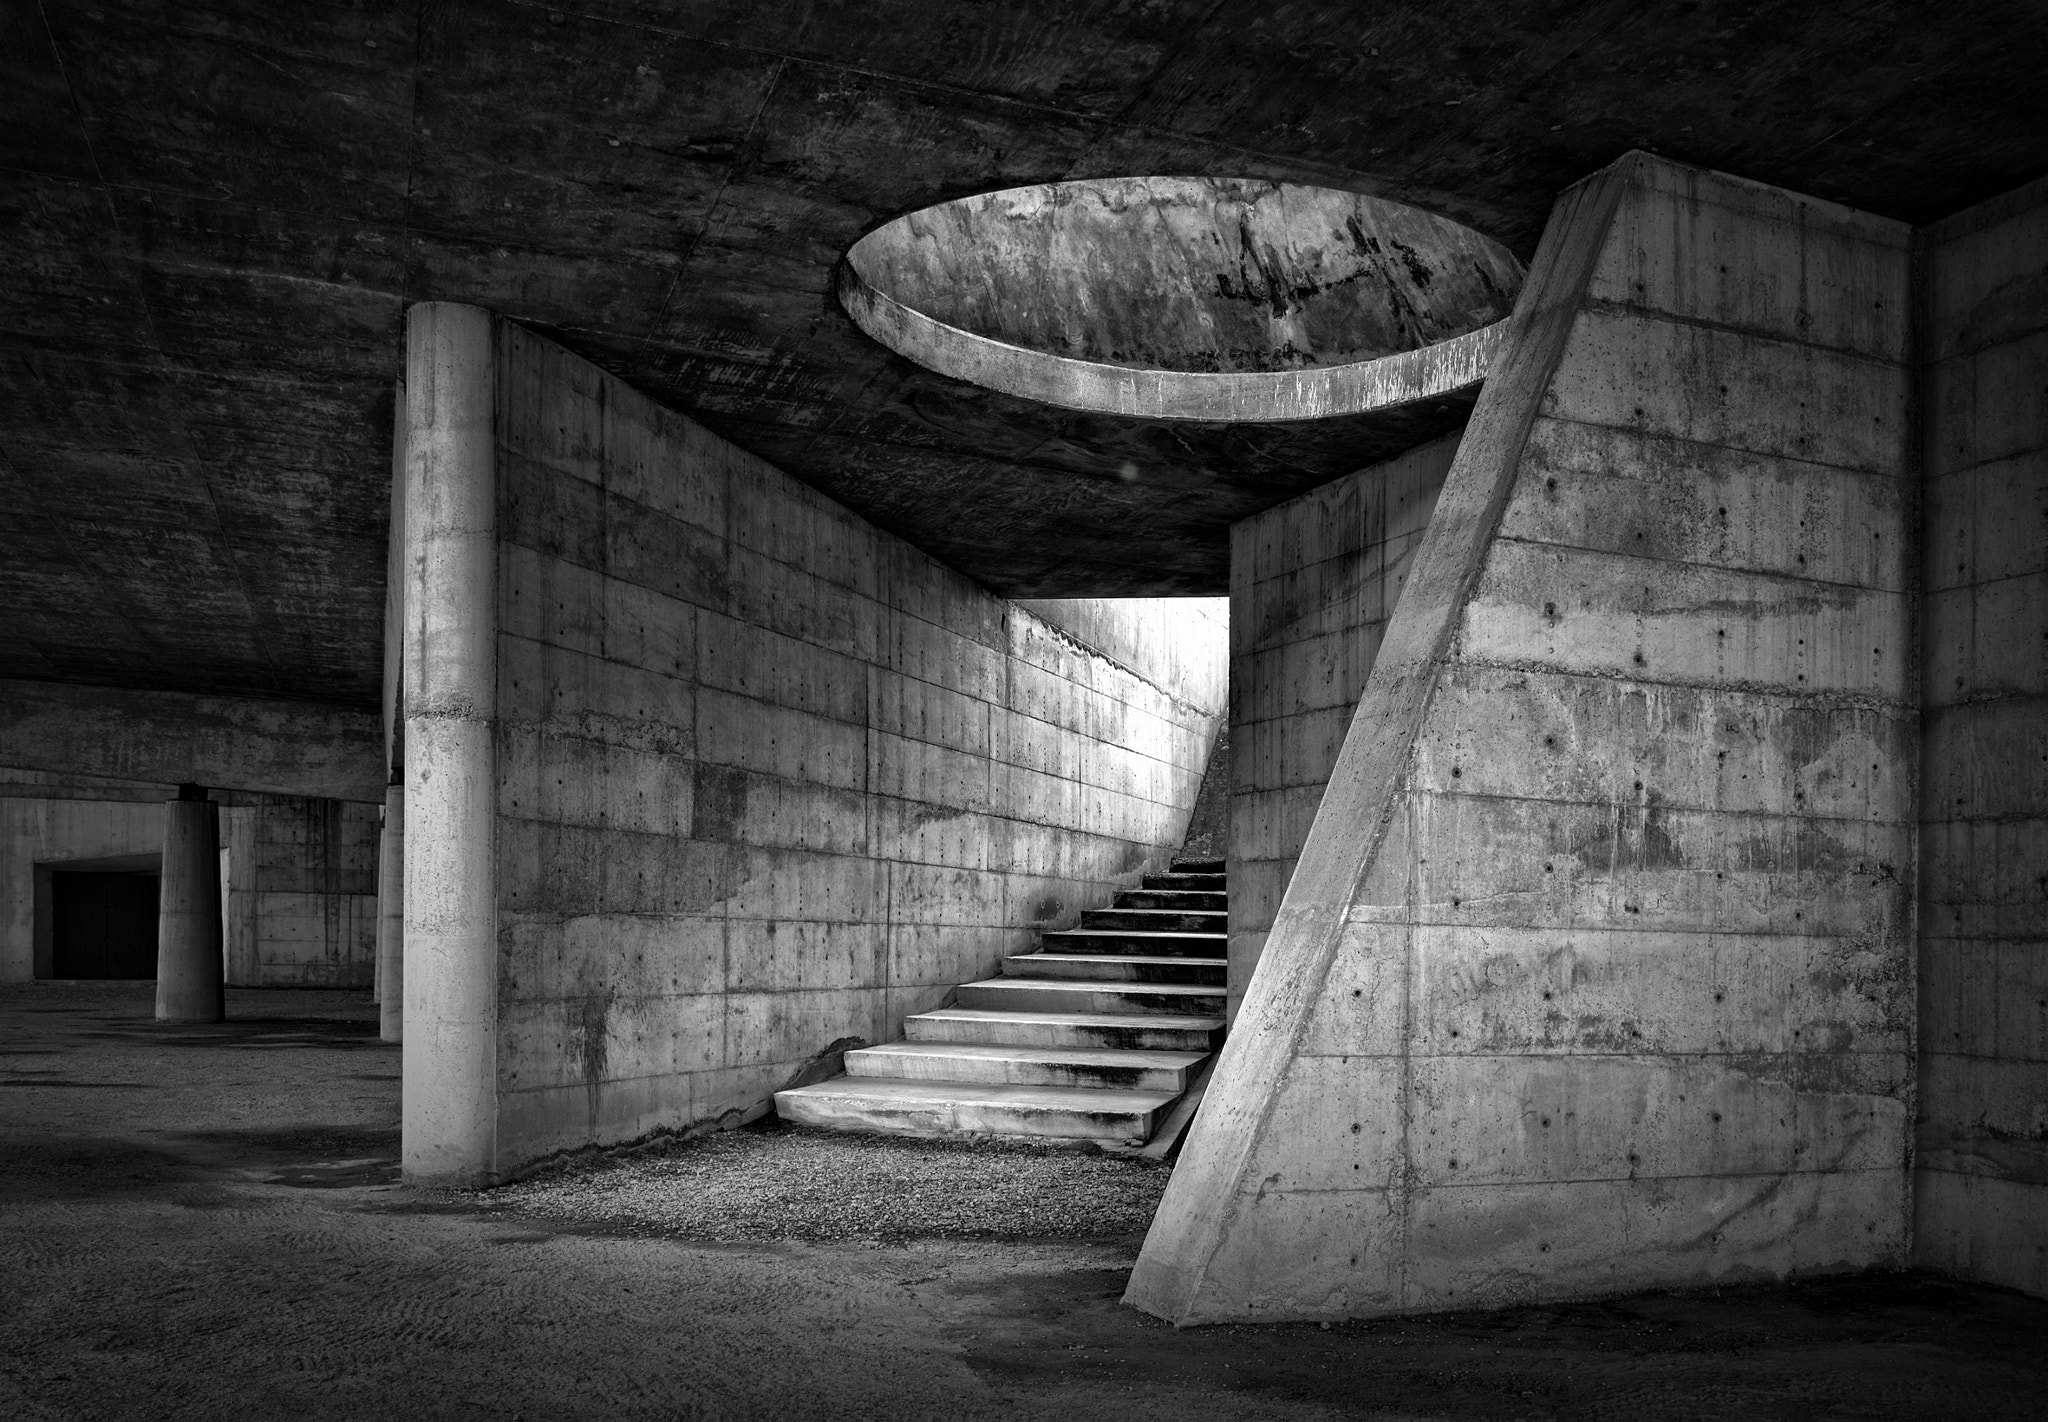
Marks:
<point>1132,958</point>
<point>1194,1022</point>
<point>1166,912</point>
<point>1087,1056</point>
<point>1130,933</point>
<point>1057,1098</point>
<point>1096,985</point>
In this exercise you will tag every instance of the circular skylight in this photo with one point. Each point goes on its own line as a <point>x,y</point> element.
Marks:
<point>1222,299</point>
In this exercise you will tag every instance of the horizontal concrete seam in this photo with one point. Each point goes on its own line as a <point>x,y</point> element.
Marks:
<point>1597,931</point>
<point>2022,460</point>
<point>2031,575</point>
<point>1795,699</point>
<point>665,837</point>
<point>1530,1183</point>
<point>1805,580</point>
<point>1637,676</point>
<point>1909,477</point>
<point>1978,699</point>
<point>1608,307</point>
<point>1989,817</point>
<point>1972,352</point>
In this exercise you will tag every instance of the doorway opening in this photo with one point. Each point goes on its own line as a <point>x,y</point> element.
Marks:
<point>103,919</point>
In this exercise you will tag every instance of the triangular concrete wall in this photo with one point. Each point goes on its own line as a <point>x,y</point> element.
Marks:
<point>1596,971</point>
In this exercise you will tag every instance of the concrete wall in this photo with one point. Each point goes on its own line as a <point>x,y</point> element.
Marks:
<point>312,905</point>
<point>766,777</point>
<point>1312,584</point>
<point>1596,969</point>
<point>1982,1187</point>
<point>297,903</point>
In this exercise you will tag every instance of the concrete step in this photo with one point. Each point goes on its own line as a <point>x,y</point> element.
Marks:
<point>1126,941</point>
<point>1058,995</point>
<point>1184,900</point>
<point>1122,1031</point>
<point>1152,920</point>
<point>1197,866</point>
<point>1096,1068</point>
<point>891,1106</point>
<point>1184,881</point>
<point>1103,967</point>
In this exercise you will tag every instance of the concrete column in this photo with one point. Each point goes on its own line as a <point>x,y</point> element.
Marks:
<point>391,917</point>
<point>450,988</point>
<point>188,943</point>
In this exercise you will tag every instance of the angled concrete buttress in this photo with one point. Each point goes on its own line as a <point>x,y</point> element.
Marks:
<point>189,971</point>
<point>450,894</point>
<point>1596,970</point>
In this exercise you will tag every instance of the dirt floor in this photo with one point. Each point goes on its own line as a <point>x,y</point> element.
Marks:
<point>206,1222</point>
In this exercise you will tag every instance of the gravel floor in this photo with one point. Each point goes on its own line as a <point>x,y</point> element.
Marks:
<point>780,1182</point>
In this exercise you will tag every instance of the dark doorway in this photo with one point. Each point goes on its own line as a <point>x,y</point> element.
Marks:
<point>102,925</point>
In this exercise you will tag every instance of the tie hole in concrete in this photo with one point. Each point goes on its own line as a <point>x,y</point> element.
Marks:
<point>1214,299</point>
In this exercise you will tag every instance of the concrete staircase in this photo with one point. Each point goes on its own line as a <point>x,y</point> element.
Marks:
<point>1097,1036</point>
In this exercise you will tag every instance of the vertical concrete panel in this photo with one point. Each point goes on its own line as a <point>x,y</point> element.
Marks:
<point>1600,939</point>
<point>1981,1188</point>
<point>450,1097</point>
<point>1312,584</point>
<point>244,958</point>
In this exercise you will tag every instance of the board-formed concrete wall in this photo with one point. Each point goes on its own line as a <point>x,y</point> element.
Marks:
<point>764,778</point>
<point>312,890</point>
<point>1596,969</point>
<point>1981,1192</point>
<point>1312,584</point>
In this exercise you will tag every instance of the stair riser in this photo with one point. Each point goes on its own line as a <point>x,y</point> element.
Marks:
<point>1156,922</point>
<point>1021,1032</point>
<point>1214,882</point>
<point>902,1067</point>
<point>1180,900</point>
<point>1136,1001</point>
<point>1108,970</point>
<point>956,1119</point>
<point>1190,945</point>
<point>1197,866</point>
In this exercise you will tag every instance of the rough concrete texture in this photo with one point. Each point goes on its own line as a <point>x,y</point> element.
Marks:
<point>1312,584</point>
<point>1981,1192</point>
<point>765,778</point>
<point>1207,299</point>
<point>1192,274</point>
<point>298,903</point>
<point>167,737</point>
<point>312,887</point>
<point>189,969</point>
<point>202,1222</point>
<point>213,229</point>
<point>391,917</point>
<point>1596,970</point>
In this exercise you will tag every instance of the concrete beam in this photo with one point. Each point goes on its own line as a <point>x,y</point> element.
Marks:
<point>170,737</point>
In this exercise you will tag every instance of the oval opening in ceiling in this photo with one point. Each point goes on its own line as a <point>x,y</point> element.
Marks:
<point>1187,298</point>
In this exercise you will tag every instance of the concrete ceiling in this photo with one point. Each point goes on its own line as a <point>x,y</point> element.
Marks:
<point>216,211</point>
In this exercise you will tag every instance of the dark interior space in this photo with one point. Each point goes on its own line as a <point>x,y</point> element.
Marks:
<point>102,924</point>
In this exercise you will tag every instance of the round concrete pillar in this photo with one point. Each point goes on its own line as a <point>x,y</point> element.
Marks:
<point>189,974</point>
<point>391,917</point>
<point>450,987</point>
